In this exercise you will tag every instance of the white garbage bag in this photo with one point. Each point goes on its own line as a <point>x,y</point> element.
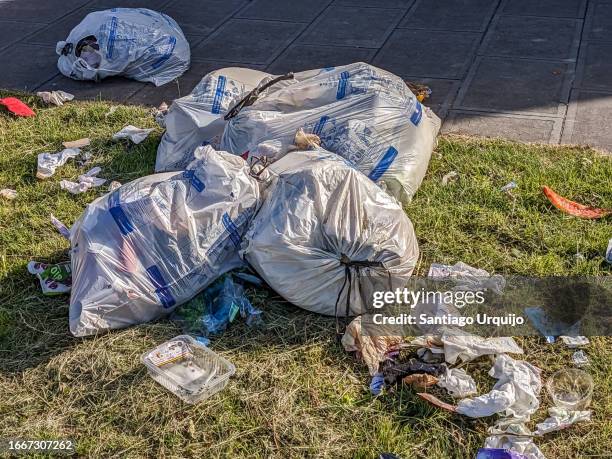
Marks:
<point>324,230</point>
<point>197,118</point>
<point>362,113</point>
<point>137,43</point>
<point>145,248</point>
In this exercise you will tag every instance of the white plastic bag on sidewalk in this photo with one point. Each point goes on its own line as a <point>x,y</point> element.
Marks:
<point>325,229</point>
<point>197,118</point>
<point>360,112</point>
<point>136,43</point>
<point>145,248</point>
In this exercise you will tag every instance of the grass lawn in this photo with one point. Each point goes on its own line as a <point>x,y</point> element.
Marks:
<point>296,392</point>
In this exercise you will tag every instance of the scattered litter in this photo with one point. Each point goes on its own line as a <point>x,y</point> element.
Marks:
<point>55,97</point>
<point>114,185</point>
<point>523,445</point>
<point>63,229</point>
<point>559,419</point>
<point>160,113</point>
<point>111,110</point>
<point>515,394</point>
<point>49,162</point>
<point>395,372</point>
<point>421,91</point>
<point>8,193</point>
<point>155,256</point>
<point>437,402</point>
<point>431,355</point>
<point>17,107</point>
<point>136,43</point>
<point>571,389</point>
<point>452,175</point>
<point>54,279</point>
<point>420,380</point>
<point>77,143</point>
<point>388,456</point>
<point>377,384</point>
<point>548,326</point>
<point>188,369</point>
<point>467,277</point>
<point>305,141</point>
<point>574,341</point>
<point>580,359</point>
<point>574,208</point>
<point>314,238</point>
<point>371,349</point>
<point>215,308</point>
<point>609,252</point>
<point>86,181</point>
<point>466,347</point>
<point>509,187</point>
<point>458,383</point>
<point>133,133</point>
<point>498,453</point>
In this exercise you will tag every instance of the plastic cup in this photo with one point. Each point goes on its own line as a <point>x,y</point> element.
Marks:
<point>570,388</point>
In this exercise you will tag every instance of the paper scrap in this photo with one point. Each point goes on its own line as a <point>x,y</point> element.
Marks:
<point>8,193</point>
<point>77,143</point>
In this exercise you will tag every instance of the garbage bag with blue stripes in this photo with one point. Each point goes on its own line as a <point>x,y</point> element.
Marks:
<point>360,112</point>
<point>154,243</point>
<point>136,43</point>
<point>326,237</point>
<point>197,118</point>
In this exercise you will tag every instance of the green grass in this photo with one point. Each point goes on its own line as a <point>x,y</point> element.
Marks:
<point>296,392</point>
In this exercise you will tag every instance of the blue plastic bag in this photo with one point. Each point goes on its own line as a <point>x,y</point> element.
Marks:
<point>215,308</point>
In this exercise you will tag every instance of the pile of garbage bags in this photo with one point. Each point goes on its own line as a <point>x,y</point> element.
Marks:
<point>360,112</point>
<point>136,43</point>
<point>317,215</point>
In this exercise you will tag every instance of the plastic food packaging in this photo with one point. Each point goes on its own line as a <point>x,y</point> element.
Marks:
<point>326,237</point>
<point>570,388</point>
<point>360,112</point>
<point>137,43</point>
<point>217,306</point>
<point>154,243</point>
<point>188,369</point>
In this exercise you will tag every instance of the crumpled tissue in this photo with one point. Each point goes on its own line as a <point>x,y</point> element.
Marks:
<point>515,394</point>
<point>458,383</point>
<point>133,133</point>
<point>86,181</point>
<point>49,162</point>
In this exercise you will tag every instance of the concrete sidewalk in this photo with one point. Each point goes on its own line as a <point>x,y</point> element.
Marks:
<point>538,71</point>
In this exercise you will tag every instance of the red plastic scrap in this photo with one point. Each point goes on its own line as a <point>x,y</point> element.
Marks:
<point>16,107</point>
<point>574,208</point>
